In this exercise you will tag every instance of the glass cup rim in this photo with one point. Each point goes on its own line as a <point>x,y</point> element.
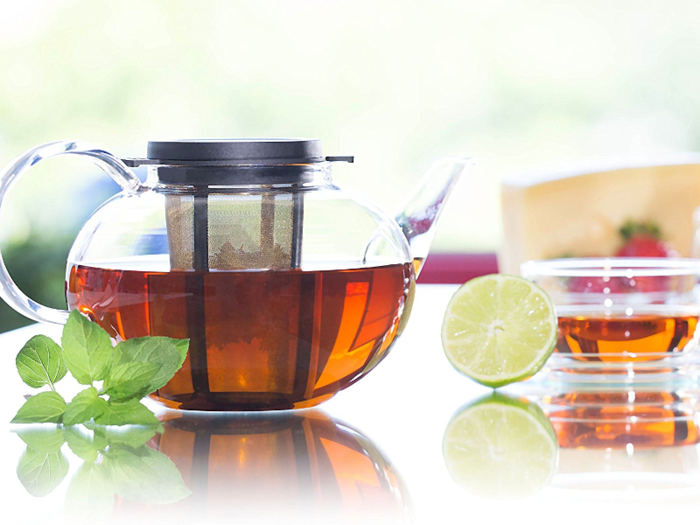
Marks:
<point>611,267</point>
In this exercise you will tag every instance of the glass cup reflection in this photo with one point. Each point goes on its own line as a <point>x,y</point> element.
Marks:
<point>637,441</point>
<point>623,419</point>
<point>628,440</point>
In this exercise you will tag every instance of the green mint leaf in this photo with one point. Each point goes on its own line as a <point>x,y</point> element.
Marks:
<point>164,351</point>
<point>41,472</point>
<point>130,413</point>
<point>87,349</point>
<point>42,438</point>
<point>182,346</point>
<point>82,444</point>
<point>45,407</point>
<point>90,494</point>
<point>85,406</point>
<point>130,380</point>
<point>145,475</point>
<point>40,362</point>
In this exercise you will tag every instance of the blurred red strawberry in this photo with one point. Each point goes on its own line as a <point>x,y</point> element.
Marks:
<point>643,239</point>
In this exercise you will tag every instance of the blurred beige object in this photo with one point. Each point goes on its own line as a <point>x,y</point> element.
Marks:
<point>578,212</point>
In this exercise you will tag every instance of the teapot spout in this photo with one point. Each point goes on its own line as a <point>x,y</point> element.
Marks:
<point>419,216</point>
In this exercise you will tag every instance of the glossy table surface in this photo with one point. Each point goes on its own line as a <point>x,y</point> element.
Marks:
<point>374,453</point>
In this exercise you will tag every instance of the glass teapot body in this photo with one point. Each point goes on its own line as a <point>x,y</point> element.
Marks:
<point>288,292</point>
<point>288,288</point>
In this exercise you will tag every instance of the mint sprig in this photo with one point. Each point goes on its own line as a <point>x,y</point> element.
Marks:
<point>128,372</point>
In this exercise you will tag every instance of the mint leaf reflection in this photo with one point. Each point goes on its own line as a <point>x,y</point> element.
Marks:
<point>41,472</point>
<point>500,447</point>
<point>42,438</point>
<point>144,475</point>
<point>84,445</point>
<point>116,462</point>
<point>90,493</point>
<point>133,436</point>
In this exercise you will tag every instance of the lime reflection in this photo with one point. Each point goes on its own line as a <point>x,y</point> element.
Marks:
<point>501,447</point>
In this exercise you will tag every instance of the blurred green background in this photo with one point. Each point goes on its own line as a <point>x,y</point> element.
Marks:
<point>397,84</point>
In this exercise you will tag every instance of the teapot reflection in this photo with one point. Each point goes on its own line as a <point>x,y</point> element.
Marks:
<point>289,466</point>
<point>628,440</point>
<point>269,467</point>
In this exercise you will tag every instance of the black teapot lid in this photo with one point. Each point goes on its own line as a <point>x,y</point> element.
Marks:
<point>238,151</point>
<point>234,152</point>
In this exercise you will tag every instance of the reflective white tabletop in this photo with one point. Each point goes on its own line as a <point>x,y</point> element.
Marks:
<point>373,453</point>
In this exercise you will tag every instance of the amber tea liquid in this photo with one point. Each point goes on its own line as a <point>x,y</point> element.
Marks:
<point>641,336</point>
<point>258,339</point>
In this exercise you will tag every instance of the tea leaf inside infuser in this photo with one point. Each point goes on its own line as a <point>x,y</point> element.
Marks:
<point>45,407</point>
<point>87,349</point>
<point>40,362</point>
<point>84,406</point>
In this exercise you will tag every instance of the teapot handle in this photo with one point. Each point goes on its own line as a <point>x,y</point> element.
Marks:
<point>110,164</point>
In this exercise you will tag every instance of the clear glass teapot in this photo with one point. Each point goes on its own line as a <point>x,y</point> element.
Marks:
<point>289,288</point>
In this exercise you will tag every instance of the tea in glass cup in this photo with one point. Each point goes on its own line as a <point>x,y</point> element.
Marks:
<point>621,315</point>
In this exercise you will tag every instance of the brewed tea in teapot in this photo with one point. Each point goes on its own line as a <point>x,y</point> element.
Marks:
<point>288,288</point>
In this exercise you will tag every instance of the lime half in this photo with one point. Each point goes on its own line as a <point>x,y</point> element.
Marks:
<point>501,448</point>
<point>499,329</point>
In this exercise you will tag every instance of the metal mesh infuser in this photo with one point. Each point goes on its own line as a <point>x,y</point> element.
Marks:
<point>231,205</point>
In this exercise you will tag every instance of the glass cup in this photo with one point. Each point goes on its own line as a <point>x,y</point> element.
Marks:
<point>621,319</point>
